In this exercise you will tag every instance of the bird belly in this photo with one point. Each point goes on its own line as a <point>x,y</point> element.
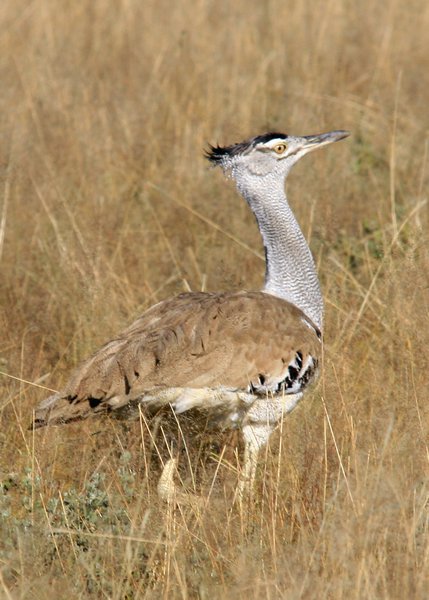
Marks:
<point>223,405</point>
<point>228,408</point>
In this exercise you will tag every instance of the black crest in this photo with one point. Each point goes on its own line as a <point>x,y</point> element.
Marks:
<point>216,154</point>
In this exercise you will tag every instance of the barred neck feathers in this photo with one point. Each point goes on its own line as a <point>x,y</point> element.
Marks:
<point>290,271</point>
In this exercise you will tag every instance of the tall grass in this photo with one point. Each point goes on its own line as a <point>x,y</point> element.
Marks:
<point>108,206</point>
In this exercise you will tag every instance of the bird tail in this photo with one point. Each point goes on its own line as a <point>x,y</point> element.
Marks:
<point>56,410</point>
<point>45,411</point>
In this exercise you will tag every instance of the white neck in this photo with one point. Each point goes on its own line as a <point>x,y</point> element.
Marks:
<point>290,271</point>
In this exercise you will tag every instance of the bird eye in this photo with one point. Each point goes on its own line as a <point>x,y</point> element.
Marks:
<point>280,148</point>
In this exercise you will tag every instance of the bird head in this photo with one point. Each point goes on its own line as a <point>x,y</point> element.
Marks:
<point>270,154</point>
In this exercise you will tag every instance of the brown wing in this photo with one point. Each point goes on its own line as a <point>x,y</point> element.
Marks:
<point>196,340</point>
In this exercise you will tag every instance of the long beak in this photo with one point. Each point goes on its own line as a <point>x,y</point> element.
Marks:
<point>311,142</point>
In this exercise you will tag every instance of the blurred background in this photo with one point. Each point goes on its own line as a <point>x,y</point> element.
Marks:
<point>107,205</point>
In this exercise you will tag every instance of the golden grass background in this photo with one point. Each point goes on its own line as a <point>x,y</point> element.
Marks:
<point>108,206</point>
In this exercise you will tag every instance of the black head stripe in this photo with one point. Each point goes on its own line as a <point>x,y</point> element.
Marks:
<point>267,137</point>
<point>216,154</point>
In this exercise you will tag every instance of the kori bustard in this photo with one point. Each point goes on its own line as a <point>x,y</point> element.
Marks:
<point>242,358</point>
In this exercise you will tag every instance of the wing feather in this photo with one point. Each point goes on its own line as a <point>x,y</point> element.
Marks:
<point>237,340</point>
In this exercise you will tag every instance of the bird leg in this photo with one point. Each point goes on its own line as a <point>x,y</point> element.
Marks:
<point>263,417</point>
<point>167,488</point>
<point>170,492</point>
<point>255,437</point>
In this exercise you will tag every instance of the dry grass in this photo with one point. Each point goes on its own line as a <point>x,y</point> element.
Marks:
<point>107,206</point>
